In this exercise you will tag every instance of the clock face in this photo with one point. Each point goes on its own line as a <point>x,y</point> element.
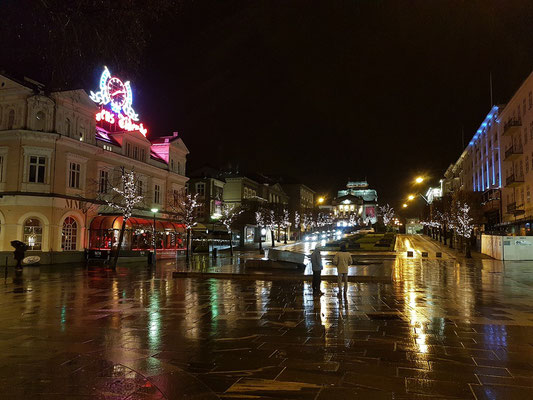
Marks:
<point>117,92</point>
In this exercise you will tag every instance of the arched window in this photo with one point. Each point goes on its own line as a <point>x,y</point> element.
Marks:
<point>10,119</point>
<point>33,233</point>
<point>40,121</point>
<point>69,234</point>
<point>67,126</point>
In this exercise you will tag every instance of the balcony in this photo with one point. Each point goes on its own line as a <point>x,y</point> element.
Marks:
<point>514,180</point>
<point>512,153</point>
<point>511,126</point>
<point>515,209</point>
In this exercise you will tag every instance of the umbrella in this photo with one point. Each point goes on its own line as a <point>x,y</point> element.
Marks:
<point>17,244</point>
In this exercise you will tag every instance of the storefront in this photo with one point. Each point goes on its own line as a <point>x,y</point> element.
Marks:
<point>104,233</point>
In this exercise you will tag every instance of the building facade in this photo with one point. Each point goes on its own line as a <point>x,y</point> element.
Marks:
<point>61,155</point>
<point>357,203</point>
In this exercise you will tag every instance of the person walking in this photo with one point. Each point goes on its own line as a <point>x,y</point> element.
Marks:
<point>342,261</point>
<point>316,265</point>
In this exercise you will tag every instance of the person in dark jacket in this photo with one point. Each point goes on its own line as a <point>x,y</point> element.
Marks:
<point>19,256</point>
<point>316,264</point>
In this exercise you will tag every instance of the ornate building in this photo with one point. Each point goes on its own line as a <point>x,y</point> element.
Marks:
<point>62,152</point>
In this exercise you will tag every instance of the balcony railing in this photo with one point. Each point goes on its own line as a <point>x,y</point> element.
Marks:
<point>514,180</point>
<point>513,152</point>
<point>515,209</point>
<point>511,126</point>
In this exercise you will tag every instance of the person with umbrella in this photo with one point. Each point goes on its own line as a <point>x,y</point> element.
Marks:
<point>20,248</point>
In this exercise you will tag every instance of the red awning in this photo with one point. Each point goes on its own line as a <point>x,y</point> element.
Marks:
<point>106,222</point>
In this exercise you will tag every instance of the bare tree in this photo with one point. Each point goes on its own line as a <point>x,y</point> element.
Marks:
<point>386,213</point>
<point>185,207</point>
<point>125,198</point>
<point>260,220</point>
<point>230,212</point>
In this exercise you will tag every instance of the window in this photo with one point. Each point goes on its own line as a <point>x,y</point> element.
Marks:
<point>74,175</point>
<point>128,149</point>
<point>528,194</point>
<point>68,126</point>
<point>530,100</point>
<point>69,234</point>
<point>11,119</point>
<point>82,133</point>
<point>135,152</point>
<point>524,107</point>
<point>103,181</point>
<point>1,168</point>
<point>200,211</point>
<point>527,164</point>
<point>40,122</point>
<point>522,195</point>
<point>143,155</point>
<point>172,165</point>
<point>179,168</point>
<point>139,188</point>
<point>37,169</point>
<point>157,194</point>
<point>525,135</point>
<point>200,189</point>
<point>33,234</point>
<point>107,147</point>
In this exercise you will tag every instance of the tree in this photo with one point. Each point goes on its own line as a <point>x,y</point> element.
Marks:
<point>297,221</point>
<point>185,207</point>
<point>464,225</point>
<point>285,223</point>
<point>386,213</point>
<point>260,220</point>
<point>125,199</point>
<point>230,212</point>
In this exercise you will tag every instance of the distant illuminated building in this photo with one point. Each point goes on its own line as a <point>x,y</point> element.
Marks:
<point>356,204</point>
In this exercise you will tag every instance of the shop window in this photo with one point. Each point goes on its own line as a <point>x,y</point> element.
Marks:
<point>69,234</point>
<point>33,234</point>
<point>11,119</point>
<point>103,181</point>
<point>40,121</point>
<point>74,175</point>
<point>36,172</point>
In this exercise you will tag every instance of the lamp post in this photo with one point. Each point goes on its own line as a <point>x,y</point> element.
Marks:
<point>154,210</point>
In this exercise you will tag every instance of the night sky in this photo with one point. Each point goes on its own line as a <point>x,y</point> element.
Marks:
<point>323,91</point>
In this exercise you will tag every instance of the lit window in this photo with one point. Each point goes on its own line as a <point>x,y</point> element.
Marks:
<point>33,234</point>
<point>74,175</point>
<point>107,147</point>
<point>69,234</point>
<point>37,169</point>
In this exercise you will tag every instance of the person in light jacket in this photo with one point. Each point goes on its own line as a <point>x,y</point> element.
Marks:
<point>342,261</point>
<point>316,264</point>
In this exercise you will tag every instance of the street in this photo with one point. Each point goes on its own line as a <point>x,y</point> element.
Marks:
<point>449,328</point>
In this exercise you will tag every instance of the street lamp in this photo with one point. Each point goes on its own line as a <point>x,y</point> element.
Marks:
<point>321,200</point>
<point>419,179</point>
<point>154,210</point>
<point>411,197</point>
<point>404,205</point>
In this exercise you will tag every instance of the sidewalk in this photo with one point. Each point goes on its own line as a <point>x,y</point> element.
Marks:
<point>458,254</point>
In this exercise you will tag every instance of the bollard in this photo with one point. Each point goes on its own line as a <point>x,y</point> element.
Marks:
<point>439,254</point>
<point>424,254</point>
<point>409,254</point>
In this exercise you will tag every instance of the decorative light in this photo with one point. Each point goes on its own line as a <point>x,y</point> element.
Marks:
<point>118,97</point>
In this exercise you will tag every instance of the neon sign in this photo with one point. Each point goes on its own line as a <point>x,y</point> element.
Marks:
<point>116,99</point>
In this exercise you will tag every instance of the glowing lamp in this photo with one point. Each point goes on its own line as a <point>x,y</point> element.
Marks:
<point>154,210</point>
<point>419,179</point>
<point>404,205</point>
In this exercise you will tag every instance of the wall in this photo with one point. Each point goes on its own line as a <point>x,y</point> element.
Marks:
<point>517,248</point>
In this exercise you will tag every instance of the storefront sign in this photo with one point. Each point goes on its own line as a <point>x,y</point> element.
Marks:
<point>115,98</point>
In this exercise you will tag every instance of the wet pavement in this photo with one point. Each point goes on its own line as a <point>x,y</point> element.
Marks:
<point>445,328</point>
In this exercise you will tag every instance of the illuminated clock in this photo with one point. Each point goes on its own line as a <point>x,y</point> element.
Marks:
<point>117,93</point>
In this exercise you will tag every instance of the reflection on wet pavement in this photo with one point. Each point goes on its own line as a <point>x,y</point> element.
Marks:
<point>448,328</point>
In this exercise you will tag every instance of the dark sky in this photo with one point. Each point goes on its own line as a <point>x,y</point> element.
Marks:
<point>325,90</point>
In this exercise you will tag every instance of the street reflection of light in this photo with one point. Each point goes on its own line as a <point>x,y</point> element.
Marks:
<point>154,321</point>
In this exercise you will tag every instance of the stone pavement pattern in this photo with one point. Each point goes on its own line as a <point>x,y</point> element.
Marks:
<point>443,329</point>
